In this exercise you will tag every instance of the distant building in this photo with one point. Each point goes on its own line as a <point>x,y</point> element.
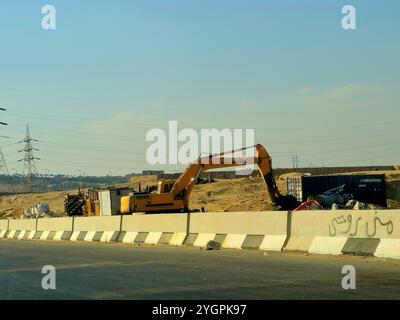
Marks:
<point>152,172</point>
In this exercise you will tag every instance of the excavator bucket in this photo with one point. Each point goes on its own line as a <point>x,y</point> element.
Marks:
<point>287,202</point>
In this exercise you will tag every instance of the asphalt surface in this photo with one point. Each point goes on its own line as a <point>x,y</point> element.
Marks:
<point>119,271</point>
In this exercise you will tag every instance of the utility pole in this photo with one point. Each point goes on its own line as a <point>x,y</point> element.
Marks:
<point>30,170</point>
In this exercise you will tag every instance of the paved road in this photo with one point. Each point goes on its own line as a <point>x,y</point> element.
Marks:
<point>118,271</point>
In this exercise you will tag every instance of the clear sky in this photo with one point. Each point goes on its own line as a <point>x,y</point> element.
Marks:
<point>112,70</point>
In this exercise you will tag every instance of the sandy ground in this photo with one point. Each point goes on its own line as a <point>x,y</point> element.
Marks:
<point>241,194</point>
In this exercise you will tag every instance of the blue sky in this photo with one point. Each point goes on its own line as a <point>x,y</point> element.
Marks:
<point>112,70</point>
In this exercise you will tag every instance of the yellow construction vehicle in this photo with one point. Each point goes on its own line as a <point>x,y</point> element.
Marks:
<point>173,196</point>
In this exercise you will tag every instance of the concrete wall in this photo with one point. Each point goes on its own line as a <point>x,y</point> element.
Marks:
<point>273,223</point>
<point>26,224</point>
<point>55,224</point>
<point>347,223</point>
<point>332,170</point>
<point>372,232</point>
<point>279,171</point>
<point>112,223</point>
<point>380,224</point>
<point>155,223</point>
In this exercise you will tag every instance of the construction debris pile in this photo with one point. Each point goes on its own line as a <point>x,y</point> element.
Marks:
<point>359,192</point>
<point>335,199</point>
<point>39,210</point>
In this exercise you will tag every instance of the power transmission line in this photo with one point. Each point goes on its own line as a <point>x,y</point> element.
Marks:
<point>3,164</point>
<point>30,170</point>
<point>3,123</point>
<point>18,113</point>
<point>4,168</point>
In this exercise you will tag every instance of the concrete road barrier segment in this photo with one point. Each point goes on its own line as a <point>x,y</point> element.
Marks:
<point>3,228</point>
<point>21,229</point>
<point>105,229</point>
<point>54,228</point>
<point>154,229</point>
<point>307,226</point>
<point>259,230</point>
<point>256,230</point>
<point>358,232</point>
<point>372,232</point>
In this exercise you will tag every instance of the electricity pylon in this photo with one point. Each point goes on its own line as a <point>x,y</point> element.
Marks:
<point>30,170</point>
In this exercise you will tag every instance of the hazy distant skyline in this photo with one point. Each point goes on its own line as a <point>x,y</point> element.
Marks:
<point>112,70</point>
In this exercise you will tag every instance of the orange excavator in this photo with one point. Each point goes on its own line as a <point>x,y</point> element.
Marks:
<point>173,195</point>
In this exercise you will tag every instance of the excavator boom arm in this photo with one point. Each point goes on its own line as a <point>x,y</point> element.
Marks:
<point>185,183</point>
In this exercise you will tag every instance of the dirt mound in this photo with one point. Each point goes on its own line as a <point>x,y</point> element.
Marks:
<point>242,194</point>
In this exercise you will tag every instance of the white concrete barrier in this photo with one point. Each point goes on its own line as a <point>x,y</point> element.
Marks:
<point>385,225</point>
<point>257,230</point>
<point>154,228</point>
<point>3,228</point>
<point>21,229</point>
<point>362,232</point>
<point>54,229</point>
<point>105,228</point>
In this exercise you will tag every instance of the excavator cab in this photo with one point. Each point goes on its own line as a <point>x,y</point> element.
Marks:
<point>165,186</point>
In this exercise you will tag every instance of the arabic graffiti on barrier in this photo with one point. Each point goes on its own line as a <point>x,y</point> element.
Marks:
<point>350,226</point>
